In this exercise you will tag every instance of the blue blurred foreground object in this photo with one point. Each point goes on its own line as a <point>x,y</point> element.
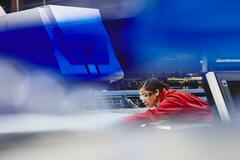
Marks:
<point>70,39</point>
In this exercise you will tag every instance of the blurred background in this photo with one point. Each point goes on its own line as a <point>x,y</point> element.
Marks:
<point>177,41</point>
<point>163,38</point>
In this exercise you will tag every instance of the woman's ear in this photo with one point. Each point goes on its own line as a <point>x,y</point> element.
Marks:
<point>157,92</point>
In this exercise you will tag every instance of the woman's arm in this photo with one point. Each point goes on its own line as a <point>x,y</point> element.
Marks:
<point>165,110</point>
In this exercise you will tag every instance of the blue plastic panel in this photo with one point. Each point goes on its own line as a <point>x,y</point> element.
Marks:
<point>71,39</point>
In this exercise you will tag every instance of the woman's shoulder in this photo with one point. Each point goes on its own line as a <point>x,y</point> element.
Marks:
<point>170,91</point>
<point>173,93</point>
<point>167,93</point>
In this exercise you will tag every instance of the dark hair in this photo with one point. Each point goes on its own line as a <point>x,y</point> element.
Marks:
<point>152,84</point>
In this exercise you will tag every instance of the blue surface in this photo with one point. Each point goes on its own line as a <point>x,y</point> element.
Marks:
<point>72,43</point>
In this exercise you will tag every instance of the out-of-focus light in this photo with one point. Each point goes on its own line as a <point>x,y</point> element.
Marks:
<point>13,84</point>
<point>45,94</point>
<point>228,60</point>
<point>110,9</point>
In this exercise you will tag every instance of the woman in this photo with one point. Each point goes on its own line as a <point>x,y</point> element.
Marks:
<point>169,104</point>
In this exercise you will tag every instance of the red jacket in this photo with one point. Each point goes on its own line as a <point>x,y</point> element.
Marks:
<point>175,105</point>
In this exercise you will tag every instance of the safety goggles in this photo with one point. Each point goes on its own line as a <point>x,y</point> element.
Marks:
<point>145,96</point>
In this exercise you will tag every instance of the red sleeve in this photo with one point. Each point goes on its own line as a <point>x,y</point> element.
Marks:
<point>166,109</point>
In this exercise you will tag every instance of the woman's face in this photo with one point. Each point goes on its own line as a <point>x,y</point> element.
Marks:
<point>149,98</point>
